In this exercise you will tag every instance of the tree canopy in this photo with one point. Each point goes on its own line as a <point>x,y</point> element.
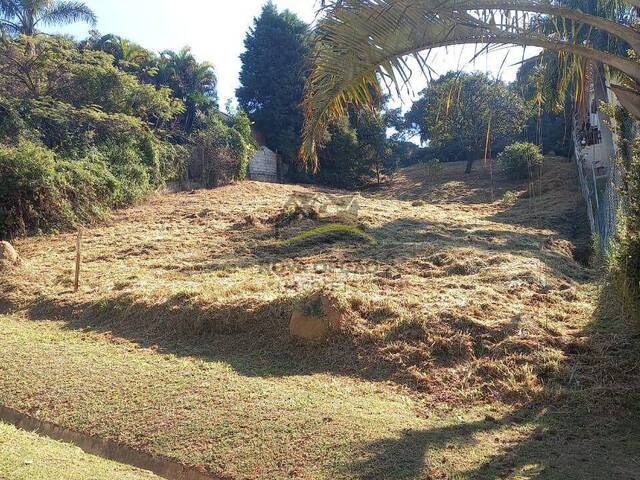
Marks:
<point>272,78</point>
<point>25,16</point>
<point>359,43</point>
<point>89,126</point>
<point>465,115</point>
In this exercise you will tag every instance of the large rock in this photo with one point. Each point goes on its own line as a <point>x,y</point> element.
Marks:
<point>8,254</point>
<point>316,318</point>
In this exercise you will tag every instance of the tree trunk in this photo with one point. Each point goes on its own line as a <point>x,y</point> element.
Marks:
<point>467,170</point>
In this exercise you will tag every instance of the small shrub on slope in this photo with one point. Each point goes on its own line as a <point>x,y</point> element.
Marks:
<point>520,160</point>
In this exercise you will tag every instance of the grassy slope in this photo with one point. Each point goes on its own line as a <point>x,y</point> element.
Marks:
<point>26,456</point>
<point>470,348</point>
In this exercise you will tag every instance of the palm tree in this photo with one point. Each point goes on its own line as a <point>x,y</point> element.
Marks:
<point>360,42</point>
<point>122,50</point>
<point>23,16</point>
<point>193,82</point>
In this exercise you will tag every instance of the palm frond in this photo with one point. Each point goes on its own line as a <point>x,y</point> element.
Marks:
<point>358,43</point>
<point>67,12</point>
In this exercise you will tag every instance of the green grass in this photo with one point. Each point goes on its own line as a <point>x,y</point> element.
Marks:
<point>330,230</point>
<point>197,411</point>
<point>27,456</point>
<point>236,419</point>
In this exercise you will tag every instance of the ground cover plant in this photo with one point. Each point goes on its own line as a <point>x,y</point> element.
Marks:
<point>470,346</point>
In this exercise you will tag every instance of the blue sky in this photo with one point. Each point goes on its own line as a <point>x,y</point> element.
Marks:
<point>215,30</point>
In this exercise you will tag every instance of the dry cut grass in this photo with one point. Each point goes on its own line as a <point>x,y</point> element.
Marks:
<point>466,302</point>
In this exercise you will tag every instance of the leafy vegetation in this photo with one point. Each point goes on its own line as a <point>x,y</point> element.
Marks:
<point>467,116</point>
<point>521,160</point>
<point>355,48</point>
<point>24,16</point>
<point>98,125</point>
<point>623,259</point>
<point>354,148</point>
<point>548,123</point>
<point>272,78</point>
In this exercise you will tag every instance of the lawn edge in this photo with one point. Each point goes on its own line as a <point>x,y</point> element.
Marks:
<point>109,450</point>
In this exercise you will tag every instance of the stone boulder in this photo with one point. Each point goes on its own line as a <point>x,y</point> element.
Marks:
<point>316,317</point>
<point>8,254</point>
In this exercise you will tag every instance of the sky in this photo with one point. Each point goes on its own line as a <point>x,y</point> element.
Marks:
<point>215,31</point>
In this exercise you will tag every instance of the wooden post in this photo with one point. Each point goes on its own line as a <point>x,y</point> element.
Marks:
<point>76,285</point>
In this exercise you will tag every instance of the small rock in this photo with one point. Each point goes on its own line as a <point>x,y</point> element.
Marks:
<point>490,418</point>
<point>8,253</point>
<point>315,318</point>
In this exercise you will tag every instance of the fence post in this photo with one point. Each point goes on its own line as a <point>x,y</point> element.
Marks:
<point>76,284</point>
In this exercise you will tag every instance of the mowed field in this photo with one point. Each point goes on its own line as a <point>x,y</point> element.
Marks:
<point>476,341</point>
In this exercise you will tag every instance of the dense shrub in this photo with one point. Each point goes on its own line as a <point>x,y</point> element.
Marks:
<point>79,134</point>
<point>520,160</point>
<point>40,192</point>
<point>221,152</point>
<point>354,151</point>
<point>28,191</point>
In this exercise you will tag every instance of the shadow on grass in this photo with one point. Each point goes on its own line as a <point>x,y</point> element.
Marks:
<point>534,443</point>
<point>252,337</point>
<point>586,429</point>
<point>400,240</point>
<point>452,185</point>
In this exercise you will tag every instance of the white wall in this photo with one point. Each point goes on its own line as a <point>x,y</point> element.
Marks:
<point>263,167</point>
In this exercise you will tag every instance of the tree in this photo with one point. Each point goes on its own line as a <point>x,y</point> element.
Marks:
<point>356,47</point>
<point>126,54</point>
<point>192,82</point>
<point>468,114</point>
<point>23,16</point>
<point>550,110</point>
<point>272,78</point>
<point>354,150</point>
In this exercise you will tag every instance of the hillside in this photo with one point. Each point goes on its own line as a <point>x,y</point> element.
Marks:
<point>472,347</point>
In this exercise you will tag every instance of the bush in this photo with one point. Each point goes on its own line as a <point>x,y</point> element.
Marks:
<point>624,272</point>
<point>624,250</point>
<point>86,186</point>
<point>433,168</point>
<point>226,150</point>
<point>29,195</point>
<point>40,191</point>
<point>520,160</point>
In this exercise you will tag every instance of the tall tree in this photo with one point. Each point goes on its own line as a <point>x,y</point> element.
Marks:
<point>272,78</point>
<point>466,114</point>
<point>550,108</point>
<point>24,16</point>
